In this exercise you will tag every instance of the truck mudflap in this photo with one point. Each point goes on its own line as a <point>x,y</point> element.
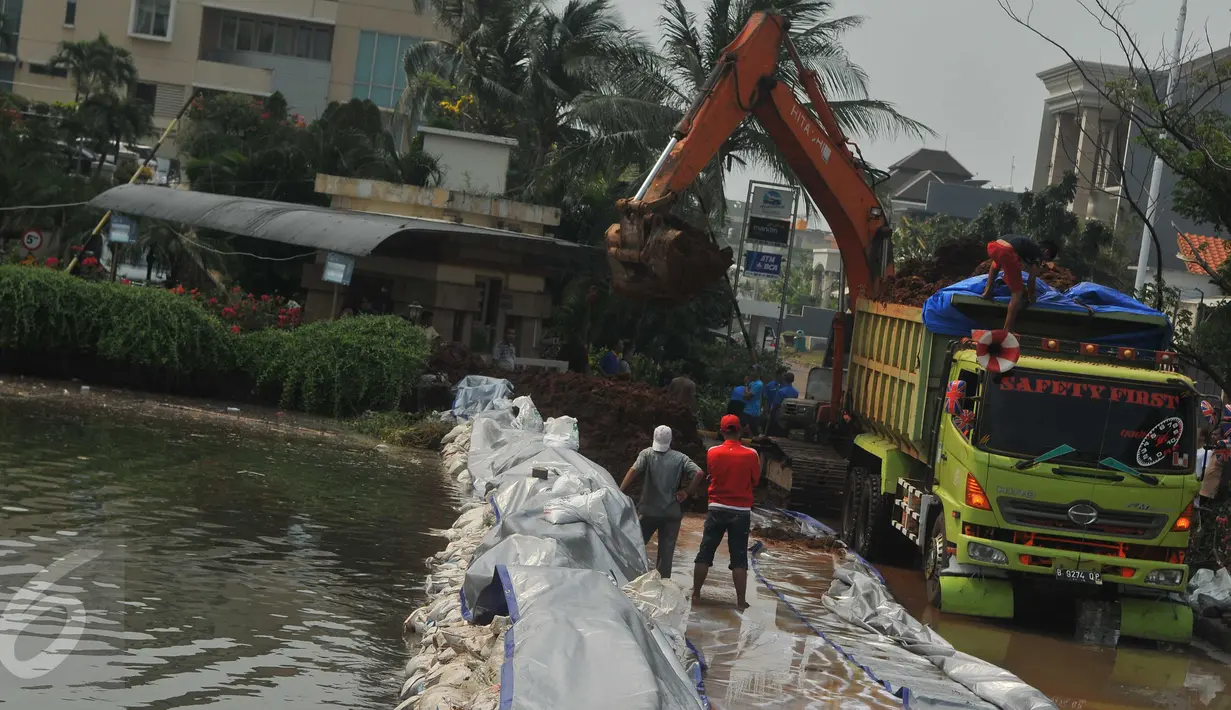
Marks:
<point>1162,619</point>
<point>975,591</point>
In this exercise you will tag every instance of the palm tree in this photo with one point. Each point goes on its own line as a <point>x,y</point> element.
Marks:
<point>524,64</point>
<point>96,66</point>
<point>488,45</point>
<point>108,120</point>
<point>638,111</point>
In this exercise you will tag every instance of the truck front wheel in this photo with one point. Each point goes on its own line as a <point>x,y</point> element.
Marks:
<point>935,559</point>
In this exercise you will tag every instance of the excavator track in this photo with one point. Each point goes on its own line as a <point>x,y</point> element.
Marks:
<point>805,476</point>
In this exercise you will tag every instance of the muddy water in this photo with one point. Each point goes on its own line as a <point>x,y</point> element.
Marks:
<point>1136,675</point>
<point>153,565</point>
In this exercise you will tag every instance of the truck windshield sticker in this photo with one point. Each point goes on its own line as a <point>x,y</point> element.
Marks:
<point>1089,390</point>
<point>1160,441</point>
<point>1140,423</point>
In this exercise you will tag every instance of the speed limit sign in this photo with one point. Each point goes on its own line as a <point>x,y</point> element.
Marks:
<point>32,240</point>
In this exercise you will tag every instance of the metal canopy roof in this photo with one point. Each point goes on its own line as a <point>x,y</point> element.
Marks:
<point>344,231</point>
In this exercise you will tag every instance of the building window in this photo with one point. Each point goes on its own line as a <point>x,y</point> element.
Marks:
<point>147,92</point>
<point>46,70</point>
<point>70,13</point>
<point>151,18</point>
<point>379,71</point>
<point>270,36</point>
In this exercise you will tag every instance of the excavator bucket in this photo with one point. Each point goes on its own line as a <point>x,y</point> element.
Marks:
<point>658,257</point>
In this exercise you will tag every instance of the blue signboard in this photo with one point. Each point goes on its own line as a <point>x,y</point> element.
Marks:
<point>338,268</point>
<point>758,262</point>
<point>123,230</point>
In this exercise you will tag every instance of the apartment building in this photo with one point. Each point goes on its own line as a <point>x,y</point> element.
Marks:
<point>1083,133</point>
<point>313,51</point>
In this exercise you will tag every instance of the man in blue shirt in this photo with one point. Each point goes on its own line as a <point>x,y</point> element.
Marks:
<point>752,402</point>
<point>771,391</point>
<point>785,391</point>
<point>609,364</point>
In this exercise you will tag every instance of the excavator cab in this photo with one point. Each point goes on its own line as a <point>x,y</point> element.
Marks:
<point>656,256</point>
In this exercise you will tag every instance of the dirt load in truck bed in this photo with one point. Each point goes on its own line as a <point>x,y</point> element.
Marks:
<point>916,280</point>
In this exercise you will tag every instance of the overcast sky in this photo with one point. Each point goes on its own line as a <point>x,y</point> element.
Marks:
<point>967,71</point>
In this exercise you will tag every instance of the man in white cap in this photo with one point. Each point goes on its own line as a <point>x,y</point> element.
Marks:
<point>659,508</point>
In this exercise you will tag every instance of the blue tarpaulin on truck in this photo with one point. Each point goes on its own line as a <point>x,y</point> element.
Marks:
<point>941,316</point>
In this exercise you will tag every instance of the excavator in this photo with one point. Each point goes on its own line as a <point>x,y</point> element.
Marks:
<point>656,256</point>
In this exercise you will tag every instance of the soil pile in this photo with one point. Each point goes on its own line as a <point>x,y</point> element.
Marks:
<point>1057,277</point>
<point>775,536</point>
<point>915,280</point>
<point>615,418</point>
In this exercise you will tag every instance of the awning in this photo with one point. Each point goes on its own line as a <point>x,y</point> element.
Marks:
<point>344,231</point>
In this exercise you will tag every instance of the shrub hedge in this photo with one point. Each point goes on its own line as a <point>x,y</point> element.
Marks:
<point>56,325</point>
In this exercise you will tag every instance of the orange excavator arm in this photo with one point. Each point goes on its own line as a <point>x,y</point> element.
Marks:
<point>654,256</point>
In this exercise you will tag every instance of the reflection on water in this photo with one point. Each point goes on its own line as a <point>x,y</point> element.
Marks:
<point>1135,675</point>
<point>230,570</point>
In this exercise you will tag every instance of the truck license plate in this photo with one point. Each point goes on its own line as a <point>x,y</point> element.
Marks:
<point>1083,576</point>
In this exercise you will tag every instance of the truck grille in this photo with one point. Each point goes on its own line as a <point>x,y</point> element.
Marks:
<point>797,407</point>
<point>1055,516</point>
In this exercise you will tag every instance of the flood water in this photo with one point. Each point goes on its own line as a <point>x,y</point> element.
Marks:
<point>1135,675</point>
<point>151,565</point>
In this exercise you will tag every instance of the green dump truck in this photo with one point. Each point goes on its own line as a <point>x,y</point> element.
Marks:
<point>1074,466</point>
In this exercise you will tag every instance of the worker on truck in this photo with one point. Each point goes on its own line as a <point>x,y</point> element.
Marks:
<point>1009,255</point>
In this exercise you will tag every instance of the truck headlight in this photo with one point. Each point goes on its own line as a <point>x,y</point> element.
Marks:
<point>1165,577</point>
<point>987,554</point>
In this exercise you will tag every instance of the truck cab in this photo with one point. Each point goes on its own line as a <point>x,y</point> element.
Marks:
<point>1074,466</point>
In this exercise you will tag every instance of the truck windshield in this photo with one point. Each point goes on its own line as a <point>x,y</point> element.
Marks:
<point>1147,426</point>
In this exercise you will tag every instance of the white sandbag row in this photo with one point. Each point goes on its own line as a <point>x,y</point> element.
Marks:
<point>518,465</point>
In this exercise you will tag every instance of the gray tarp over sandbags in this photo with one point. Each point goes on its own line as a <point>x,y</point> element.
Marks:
<point>473,394</point>
<point>597,530</point>
<point>593,532</point>
<point>578,642</point>
<point>860,599</point>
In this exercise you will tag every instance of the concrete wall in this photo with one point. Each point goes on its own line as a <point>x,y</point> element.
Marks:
<point>472,163</point>
<point>299,80</point>
<point>437,203</point>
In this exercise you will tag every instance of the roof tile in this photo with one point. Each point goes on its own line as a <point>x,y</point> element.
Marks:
<point>1213,251</point>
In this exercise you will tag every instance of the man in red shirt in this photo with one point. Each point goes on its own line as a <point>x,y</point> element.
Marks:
<point>733,470</point>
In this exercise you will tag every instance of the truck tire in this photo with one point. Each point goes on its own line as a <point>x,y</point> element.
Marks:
<point>870,526</point>
<point>850,504</point>
<point>935,559</point>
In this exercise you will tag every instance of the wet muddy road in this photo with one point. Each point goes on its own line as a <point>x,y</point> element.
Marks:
<point>1136,675</point>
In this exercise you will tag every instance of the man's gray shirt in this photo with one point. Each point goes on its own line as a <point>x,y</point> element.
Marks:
<point>661,474</point>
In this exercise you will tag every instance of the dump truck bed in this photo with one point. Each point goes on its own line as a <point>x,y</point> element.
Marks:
<point>894,363</point>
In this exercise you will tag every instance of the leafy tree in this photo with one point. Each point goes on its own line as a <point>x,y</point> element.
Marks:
<point>915,238</point>
<point>799,289</point>
<point>238,145</point>
<point>37,167</point>
<point>642,108</point>
<point>519,68</point>
<point>96,66</point>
